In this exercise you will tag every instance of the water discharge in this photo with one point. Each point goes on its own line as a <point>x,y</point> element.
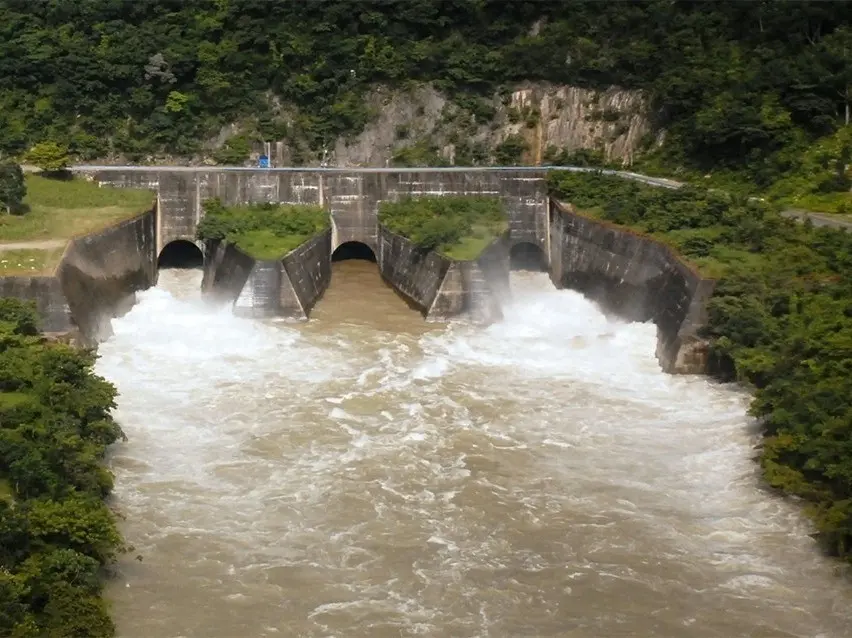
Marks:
<point>368,475</point>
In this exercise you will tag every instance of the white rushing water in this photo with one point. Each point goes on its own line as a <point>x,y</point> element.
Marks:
<point>368,475</point>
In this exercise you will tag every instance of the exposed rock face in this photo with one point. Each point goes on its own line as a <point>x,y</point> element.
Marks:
<point>614,122</point>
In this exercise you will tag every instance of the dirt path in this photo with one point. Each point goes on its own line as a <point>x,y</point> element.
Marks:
<point>45,244</point>
<point>819,219</point>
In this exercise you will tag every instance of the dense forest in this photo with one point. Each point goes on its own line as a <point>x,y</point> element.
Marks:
<point>780,320</point>
<point>56,532</point>
<point>737,84</point>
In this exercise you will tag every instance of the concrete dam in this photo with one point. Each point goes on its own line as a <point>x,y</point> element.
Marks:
<point>629,275</point>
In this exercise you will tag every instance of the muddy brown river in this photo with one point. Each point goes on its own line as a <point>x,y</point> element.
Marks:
<point>371,475</point>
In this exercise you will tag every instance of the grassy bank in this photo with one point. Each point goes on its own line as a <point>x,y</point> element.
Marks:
<point>56,532</point>
<point>29,261</point>
<point>457,227</point>
<point>264,231</point>
<point>780,321</point>
<point>57,211</point>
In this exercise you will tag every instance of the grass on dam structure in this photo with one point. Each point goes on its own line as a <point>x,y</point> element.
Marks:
<point>779,321</point>
<point>56,211</point>
<point>459,227</point>
<point>263,231</point>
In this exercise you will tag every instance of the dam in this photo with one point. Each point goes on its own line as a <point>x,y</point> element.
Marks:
<point>629,275</point>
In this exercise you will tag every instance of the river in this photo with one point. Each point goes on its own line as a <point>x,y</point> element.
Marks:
<point>368,474</point>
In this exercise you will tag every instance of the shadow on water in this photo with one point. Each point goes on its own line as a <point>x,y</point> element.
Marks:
<point>180,254</point>
<point>526,256</point>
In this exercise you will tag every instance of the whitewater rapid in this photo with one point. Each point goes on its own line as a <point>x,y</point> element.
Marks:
<point>368,474</point>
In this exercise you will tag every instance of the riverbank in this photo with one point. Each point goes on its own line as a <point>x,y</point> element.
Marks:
<point>56,532</point>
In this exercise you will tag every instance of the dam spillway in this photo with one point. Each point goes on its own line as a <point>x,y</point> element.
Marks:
<point>367,474</point>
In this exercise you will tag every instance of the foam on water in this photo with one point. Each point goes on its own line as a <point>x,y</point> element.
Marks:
<point>537,477</point>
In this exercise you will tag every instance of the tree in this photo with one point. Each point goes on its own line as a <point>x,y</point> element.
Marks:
<point>13,189</point>
<point>837,49</point>
<point>49,156</point>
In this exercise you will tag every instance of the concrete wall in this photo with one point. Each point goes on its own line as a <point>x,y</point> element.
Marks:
<point>636,278</point>
<point>352,196</point>
<point>442,288</point>
<point>308,270</point>
<point>289,287</point>
<point>46,292</point>
<point>95,281</point>
<point>226,270</point>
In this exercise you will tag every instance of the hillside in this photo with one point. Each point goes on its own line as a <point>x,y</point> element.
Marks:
<point>745,86</point>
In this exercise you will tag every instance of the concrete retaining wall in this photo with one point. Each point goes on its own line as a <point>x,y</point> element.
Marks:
<point>46,292</point>
<point>308,270</point>
<point>442,288</point>
<point>95,281</point>
<point>636,278</point>
<point>289,287</point>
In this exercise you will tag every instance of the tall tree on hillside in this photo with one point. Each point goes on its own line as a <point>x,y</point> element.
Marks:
<point>13,189</point>
<point>837,48</point>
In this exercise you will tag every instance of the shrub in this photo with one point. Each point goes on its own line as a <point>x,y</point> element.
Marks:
<point>265,231</point>
<point>444,223</point>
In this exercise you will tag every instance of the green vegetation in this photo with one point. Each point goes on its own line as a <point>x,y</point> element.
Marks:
<point>64,209</point>
<point>58,210</point>
<point>29,261</point>
<point>745,86</point>
<point>780,321</point>
<point>56,532</point>
<point>458,227</point>
<point>13,188</point>
<point>264,231</point>
<point>48,156</point>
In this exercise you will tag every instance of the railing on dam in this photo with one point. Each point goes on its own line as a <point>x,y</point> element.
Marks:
<point>653,181</point>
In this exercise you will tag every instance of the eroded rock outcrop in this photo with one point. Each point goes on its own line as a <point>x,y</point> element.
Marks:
<point>615,122</point>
